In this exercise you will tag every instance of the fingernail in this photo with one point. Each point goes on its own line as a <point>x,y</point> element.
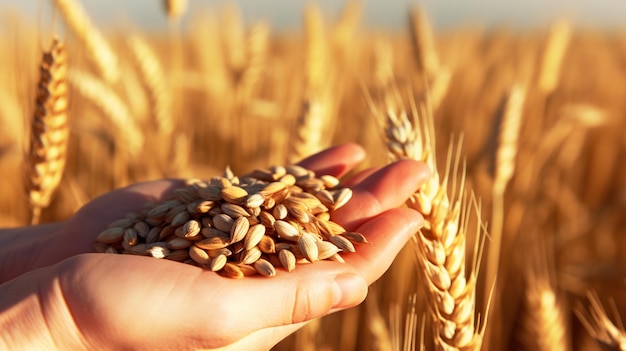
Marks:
<point>349,289</point>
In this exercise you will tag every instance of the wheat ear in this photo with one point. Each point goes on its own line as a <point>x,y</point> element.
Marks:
<point>441,242</point>
<point>49,131</point>
<point>545,317</point>
<point>505,157</point>
<point>316,48</point>
<point>174,9</point>
<point>100,52</point>
<point>257,43</point>
<point>423,43</point>
<point>600,326</point>
<point>553,54</point>
<point>153,78</point>
<point>112,107</point>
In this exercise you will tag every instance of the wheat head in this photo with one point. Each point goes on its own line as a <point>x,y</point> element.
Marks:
<point>441,243</point>
<point>49,131</point>
<point>100,52</point>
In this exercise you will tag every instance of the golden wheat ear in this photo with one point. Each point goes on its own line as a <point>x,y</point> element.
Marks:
<point>45,159</point>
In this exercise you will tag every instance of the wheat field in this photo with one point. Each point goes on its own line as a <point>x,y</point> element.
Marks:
<point>524,128</point>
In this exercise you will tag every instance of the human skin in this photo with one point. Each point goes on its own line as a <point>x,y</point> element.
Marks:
<point>55,293</point>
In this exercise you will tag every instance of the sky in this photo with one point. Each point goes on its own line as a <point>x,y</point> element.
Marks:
<point>391,14</point>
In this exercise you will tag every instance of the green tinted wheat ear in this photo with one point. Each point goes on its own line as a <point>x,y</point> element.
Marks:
<point>49,131</point>
<point>441,243</point>
<point>98,48</point>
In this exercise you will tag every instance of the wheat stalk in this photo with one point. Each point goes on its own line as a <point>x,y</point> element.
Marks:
<point>49,131</point>
<point>376,324</point>
<point>99,50</point>
<point>404,330</point>
<point>441,242</point>
<point>505,160</point>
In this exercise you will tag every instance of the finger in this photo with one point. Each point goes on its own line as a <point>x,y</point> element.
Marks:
<point>387,234</point>
<point>336,161</point>
<point>384,189</point>
<point>359,177</point>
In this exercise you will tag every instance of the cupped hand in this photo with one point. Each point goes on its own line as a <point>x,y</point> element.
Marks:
<point>102,301</point>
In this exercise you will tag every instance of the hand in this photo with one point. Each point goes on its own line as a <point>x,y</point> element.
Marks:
<point>101,301</point>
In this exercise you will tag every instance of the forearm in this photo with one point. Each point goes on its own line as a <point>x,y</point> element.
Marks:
<point>27,248</point>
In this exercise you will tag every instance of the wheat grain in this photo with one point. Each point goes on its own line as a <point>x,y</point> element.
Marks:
<point>236,240</point>
<point>49,132</point>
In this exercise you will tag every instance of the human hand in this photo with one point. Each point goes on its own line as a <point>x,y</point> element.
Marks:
<point>100,301</point>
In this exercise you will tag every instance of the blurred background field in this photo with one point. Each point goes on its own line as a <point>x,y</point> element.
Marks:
<point>242,85</point>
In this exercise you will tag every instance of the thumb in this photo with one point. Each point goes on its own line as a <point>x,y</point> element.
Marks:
<point>299,296</point>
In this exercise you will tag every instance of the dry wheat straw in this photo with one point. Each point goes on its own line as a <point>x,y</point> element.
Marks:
<point>112,107</point>
<point>153,77</point>
<point>99,50</point>
<point>404,330</point>
<point>49,131</point>
<point>376,324</point>
<point>598,324</point>
<point>441,243</point>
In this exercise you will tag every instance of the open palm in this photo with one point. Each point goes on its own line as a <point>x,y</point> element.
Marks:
<point>100,301</point>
